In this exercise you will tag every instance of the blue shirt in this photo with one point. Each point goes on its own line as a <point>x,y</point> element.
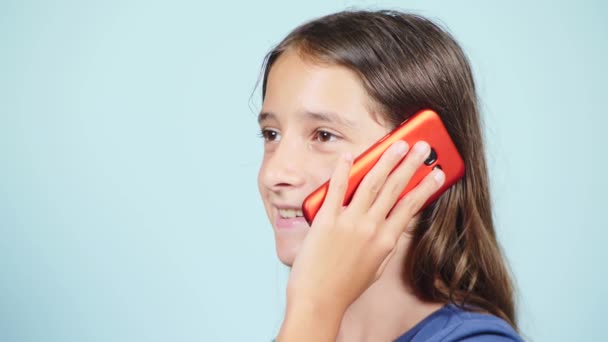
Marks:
<point>451,324</point>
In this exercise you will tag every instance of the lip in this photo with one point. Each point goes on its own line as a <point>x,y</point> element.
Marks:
<point>288,223</point>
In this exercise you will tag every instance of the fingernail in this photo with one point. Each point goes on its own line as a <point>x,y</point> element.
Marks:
<point>400,147</point>
<point>422,147</point>
<point>438,176</point>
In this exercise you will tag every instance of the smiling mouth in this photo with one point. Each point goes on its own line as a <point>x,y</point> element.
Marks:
<point>290,213</point>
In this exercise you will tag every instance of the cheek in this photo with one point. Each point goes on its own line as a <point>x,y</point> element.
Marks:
<point>322,168</point>
<point>326,163</point>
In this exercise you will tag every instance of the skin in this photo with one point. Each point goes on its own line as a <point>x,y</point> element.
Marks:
<point>314,119</point>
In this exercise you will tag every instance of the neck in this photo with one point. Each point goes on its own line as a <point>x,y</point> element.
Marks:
<point>389,307</point>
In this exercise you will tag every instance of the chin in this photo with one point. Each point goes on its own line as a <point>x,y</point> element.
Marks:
<point>288,245</point>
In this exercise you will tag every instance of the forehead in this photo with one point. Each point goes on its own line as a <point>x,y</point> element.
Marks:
<point>296,85</point>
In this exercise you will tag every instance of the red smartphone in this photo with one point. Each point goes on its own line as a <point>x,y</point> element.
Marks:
<point>424,125</point>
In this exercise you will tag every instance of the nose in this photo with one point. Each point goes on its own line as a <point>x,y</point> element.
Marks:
<point>284,167</point>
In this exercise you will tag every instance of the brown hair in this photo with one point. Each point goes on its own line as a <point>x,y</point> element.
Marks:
<point>407,63</point>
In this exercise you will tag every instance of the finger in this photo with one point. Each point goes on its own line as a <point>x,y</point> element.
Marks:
<point>413,201</point>
<point>373,181</point>
<point>398,180</point>
<point>338,184</point>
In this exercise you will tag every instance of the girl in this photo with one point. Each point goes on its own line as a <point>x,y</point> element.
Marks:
<point>365,272</point>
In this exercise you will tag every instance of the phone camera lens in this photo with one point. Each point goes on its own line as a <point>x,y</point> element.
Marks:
<point>431,158</point>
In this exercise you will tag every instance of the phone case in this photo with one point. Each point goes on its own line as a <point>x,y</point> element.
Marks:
<point>424,125</point>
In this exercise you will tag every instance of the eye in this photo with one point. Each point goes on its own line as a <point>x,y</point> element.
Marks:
<point>324,136</point>
<point>269,135</point>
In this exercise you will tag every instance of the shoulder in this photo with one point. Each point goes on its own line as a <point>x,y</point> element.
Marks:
<point>451,324</point>
<point>477,327</point>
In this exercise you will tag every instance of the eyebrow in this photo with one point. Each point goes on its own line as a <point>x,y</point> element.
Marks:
<point>329,117</point>
<point>265,116</point>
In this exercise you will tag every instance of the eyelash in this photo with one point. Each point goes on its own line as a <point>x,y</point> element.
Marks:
<point>318,134</point>
<point>264,133</point>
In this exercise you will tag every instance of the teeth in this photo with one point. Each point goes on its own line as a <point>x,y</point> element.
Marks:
<point>290,213</point>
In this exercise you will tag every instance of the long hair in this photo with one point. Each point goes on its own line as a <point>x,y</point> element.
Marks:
<point>407,63</point>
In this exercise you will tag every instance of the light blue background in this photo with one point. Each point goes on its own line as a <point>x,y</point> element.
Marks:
<point>128,157</point>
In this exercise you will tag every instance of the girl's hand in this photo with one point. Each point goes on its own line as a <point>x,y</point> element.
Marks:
<point>347,248</point>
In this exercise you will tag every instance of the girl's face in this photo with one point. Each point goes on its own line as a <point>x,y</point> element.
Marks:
<point>311,115</point>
